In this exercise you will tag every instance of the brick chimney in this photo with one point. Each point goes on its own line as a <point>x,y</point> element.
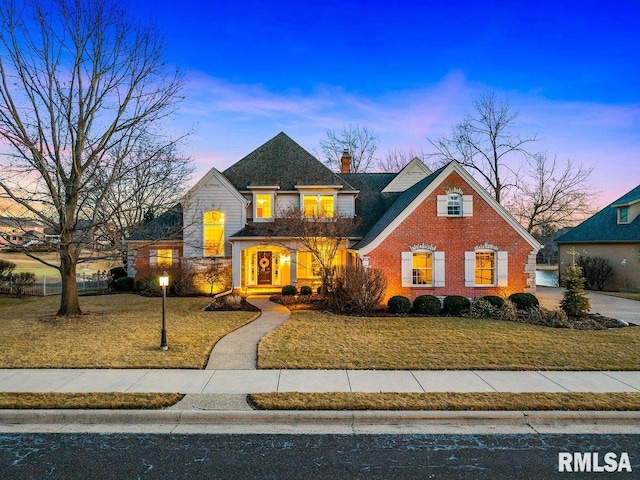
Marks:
<point>345,162</point>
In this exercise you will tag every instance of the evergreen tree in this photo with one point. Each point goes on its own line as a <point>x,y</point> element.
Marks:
<point>574,301</point>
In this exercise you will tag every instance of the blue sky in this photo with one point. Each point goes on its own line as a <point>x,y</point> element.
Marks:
<point>409,70</point>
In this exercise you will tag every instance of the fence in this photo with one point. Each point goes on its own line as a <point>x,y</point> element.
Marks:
<point>45,285</point>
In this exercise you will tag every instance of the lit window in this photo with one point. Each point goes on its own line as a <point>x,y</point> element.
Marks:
<point>263,205</point>
<point>485,268</point>
<point>422,268</point>
<point>454,205</point>
<point>164,258</point>
<point>318,205</point>
<point>213,233</point>
<point>623,215</point>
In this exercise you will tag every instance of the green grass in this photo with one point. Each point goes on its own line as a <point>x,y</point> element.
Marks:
<point>115,331</point>
<point>316,340</point>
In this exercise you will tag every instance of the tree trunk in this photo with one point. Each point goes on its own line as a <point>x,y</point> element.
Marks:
<point>69,303</point>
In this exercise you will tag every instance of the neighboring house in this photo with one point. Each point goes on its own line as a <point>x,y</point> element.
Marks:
<point>612,233</point>
<point>16,232</point>
<point>435,233</point>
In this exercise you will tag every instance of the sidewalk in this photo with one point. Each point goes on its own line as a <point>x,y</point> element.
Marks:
<point>226,382</point>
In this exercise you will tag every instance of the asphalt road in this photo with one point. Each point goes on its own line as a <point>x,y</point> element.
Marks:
<point>142,456</point>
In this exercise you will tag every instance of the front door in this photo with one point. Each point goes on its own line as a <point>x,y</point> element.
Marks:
<point>264,268</point>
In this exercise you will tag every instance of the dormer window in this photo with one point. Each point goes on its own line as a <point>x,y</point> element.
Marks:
<point>623,215</point>
<point>263,206</point>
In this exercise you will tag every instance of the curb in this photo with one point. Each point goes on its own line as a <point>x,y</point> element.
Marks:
<point>128,417</point>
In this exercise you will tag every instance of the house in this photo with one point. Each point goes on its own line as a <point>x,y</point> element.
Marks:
<point>16,232</point>
<point>435,233</point>
<point>612,233</point>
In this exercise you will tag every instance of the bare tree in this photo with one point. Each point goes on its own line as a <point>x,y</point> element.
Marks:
<point>81,85</point>
<point>485,142</point>
<point>396,159</point>
<point>551,195</point>
<point>360,141</point>
<point>317,233</point>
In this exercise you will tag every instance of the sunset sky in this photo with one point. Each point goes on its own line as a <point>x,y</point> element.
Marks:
<point>408,70</point>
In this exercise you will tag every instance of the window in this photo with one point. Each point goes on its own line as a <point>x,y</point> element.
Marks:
<point>623,215</point>
<point>485,268</point>
<point>422,268</point>
<point>164,258</point>
<point>263,205</point>
<point>213,233</point>
<point>454,205</point>
<point>318,205</point>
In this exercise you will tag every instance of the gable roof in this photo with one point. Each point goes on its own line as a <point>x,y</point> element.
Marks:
<point>604,226</point>
<point>411,173</point>
<point>167,226</point>
<point>281,162</point>
<point>415,195</point>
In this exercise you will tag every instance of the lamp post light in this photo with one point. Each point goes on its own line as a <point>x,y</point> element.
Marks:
<point>164,283</point>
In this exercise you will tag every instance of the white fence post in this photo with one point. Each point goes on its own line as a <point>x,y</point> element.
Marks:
<point>44,285</point>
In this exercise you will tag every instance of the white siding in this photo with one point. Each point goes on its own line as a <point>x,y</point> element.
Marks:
<point>346,205</point>
<point>286,201</point>
<point>213,195</point>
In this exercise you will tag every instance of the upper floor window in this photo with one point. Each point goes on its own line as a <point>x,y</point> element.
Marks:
<point>213,233</point>
<point>454,205</point>
<point>318,205</point>
<point>263,205</point>
<point>623,215</point>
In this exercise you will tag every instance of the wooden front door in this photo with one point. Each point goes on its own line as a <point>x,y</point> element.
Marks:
<point>264,268</point>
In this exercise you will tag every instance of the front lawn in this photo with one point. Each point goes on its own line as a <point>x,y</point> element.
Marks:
<point>115,331</point>
<point>314,340</point>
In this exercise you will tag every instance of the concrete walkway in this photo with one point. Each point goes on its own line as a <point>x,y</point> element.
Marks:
<point>606,305</point>
<point>239,349</point>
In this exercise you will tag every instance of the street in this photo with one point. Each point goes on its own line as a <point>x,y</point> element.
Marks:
<point>279,456</point>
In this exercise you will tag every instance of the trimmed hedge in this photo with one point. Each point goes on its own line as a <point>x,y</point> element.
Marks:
<point>494,300</point>
<point>399,304</point>
<point>456,304</point>
<point>124,284</point>
<point>427,305</point>
<point>524,301</point>
<point>289,290</point>
<point>305,290</point>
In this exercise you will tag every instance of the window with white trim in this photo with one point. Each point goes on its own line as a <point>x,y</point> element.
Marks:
<point>623,214</point>
<point>318,205</point>
<point>455,205</point>
<point>164,257</point>
<point>422,268</point>
<point>213,233</point>
<point>263,204</point>
<point>486,268</point>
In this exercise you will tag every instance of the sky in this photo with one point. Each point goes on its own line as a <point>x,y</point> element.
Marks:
<point>409,70</point>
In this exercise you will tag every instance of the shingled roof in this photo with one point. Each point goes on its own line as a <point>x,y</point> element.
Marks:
<point>167,226</point>
<point>281,162</point>
<point>392,211</point>
<point>603,227</point>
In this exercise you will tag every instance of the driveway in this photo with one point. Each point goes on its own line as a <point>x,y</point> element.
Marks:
<point>607,305</point>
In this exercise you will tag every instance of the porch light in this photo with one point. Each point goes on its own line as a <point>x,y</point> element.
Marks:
<point>163,280</point>
<point>285,259</point>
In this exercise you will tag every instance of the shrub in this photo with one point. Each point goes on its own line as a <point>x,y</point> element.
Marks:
<point>508,312</point>
<point>596,271</point>
<point>574,301</point>
<point>124,284</point>
<point>6,267</point>
<point>544,317</point>
<point>357,290</point>
<point>524,301</point>
<point>233,300</point>
<point>456,304</point>
<point>482,308</point>
<point>117,272</point>
<point>399,304</point>
<point>494,300</point>
<point>20,281</point>
<point>427,305</point>
<point>289,290</point>
<point>305,290</point>
<point>319,290</point>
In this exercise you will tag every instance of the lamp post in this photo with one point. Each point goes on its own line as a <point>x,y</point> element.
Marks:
<point>164,283</point>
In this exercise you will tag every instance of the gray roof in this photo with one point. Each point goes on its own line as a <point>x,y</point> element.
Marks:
<point>604,227</point>
<point>167,226</point>
<point>281,162</point>
<point>396,208</point>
